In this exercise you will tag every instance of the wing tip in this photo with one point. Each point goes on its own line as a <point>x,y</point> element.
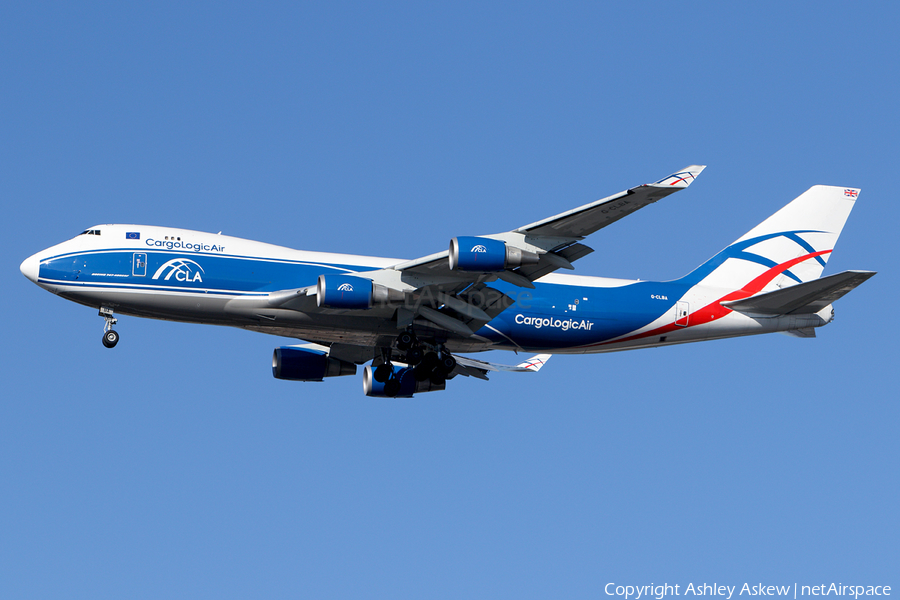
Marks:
<point>534,363</point>
<point>682,178</point>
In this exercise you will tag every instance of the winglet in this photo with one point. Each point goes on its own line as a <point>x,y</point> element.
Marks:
<point>682,178</point>
<point>534,363</point>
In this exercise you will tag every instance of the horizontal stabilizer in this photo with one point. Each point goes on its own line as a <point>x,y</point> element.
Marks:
<point>806,332</point>
<point>803,298</point>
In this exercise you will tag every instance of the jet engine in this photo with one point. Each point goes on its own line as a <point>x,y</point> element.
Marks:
<point>408,384</point>
<point>303,364</point>
<point>347,291</point>
<point>485,255</point>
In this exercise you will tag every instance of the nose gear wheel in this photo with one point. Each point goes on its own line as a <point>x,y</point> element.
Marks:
<point>110,337</point>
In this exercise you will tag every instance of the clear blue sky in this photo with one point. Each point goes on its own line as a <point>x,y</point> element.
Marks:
<point>175,466</point>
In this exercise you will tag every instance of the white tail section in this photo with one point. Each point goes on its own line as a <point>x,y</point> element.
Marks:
<point>790,247</point>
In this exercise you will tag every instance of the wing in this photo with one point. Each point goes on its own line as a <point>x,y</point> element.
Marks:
<point>556,238</point>
<point>471,367</point>
<point>445,297</point>
<point>585,220</point>
<point>450,290</point>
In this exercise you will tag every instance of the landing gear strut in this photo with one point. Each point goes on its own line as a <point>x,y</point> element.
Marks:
<point>428,360</point>
<point>405,340</point>
<point>110,337</point>
<point>434,364</point>
<point>384,373</point>
<point>392,387</point>
<point>385,370</point>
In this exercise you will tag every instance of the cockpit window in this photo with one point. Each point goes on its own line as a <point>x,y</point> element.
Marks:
<point>90,232</point>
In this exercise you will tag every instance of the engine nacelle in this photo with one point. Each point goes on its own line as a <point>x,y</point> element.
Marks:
<point>347,291</point>
<point>485,255</point>
<point>302,364</point>
<point>408,384</point>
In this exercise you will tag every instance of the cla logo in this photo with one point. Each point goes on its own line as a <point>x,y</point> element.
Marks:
<point>184,269</point>
<point>345,287</point>
<point>478,248</point>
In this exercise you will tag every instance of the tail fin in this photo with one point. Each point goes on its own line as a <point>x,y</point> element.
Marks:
<point>790,247</point>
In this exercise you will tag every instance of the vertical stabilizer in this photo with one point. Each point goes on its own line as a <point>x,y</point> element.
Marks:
<point>790,247</point>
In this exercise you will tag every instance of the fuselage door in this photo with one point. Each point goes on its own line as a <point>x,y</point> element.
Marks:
<point>682,312</point>
<point>139,264</point>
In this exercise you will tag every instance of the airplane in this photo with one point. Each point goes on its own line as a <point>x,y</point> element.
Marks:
<point>412,320</point>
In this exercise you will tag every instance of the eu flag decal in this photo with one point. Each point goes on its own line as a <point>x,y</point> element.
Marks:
<point>132,235</point>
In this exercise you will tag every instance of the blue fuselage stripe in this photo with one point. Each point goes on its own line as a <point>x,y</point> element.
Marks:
<point>549,316</point>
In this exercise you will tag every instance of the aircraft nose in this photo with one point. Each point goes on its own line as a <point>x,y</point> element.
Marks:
<point>30,267</point>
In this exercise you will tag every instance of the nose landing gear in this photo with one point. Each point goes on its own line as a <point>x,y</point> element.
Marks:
<point>110,337</point>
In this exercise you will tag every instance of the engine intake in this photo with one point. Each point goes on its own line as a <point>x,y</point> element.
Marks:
<point>347,291</point>
<point>485,255</point>
<point>408,384</point>
<point>302,364</point>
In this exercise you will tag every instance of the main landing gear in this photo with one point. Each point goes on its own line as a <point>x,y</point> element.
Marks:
<point>110,337</point>
<point>427,361</point>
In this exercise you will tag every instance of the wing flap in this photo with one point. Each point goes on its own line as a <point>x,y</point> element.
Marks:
<point>547,265</point>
